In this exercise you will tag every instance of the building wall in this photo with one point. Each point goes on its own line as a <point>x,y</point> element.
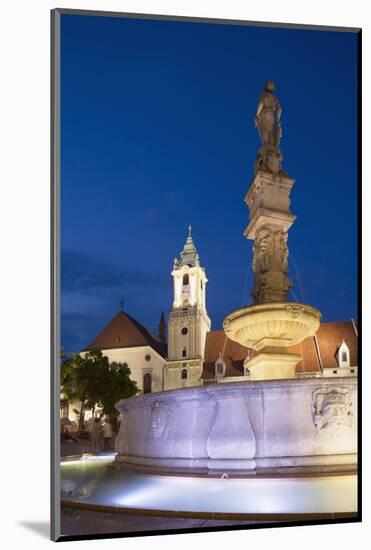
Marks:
<point>139,365</point>
<point>173,374</point>
<point>340,371</point>
<point>188,325</point>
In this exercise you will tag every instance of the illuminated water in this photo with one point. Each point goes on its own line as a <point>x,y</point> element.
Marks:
<point>91,480</point>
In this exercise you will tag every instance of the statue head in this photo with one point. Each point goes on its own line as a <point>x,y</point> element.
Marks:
<point>269,86</point>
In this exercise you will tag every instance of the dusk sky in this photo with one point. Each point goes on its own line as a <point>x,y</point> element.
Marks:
<point>157,132</point>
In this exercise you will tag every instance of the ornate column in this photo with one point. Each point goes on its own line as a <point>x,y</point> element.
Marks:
<point>268,200</point>
<point>272,324</point>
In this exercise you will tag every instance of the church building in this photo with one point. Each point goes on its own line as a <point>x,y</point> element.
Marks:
<point>193,354</point>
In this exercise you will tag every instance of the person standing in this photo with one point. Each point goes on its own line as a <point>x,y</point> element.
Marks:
<point>107,433</point>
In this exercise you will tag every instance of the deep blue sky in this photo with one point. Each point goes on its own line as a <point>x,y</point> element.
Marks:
<point>157,133</point>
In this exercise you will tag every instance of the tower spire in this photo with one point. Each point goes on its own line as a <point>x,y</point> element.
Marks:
<point>189,255</point>
<point>162,327</point>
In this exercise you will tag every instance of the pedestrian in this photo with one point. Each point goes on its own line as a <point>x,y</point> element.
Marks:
<point>95,433</point>
<point>107,433</point>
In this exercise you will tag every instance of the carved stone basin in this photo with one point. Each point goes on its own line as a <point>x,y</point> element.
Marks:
<point>277,325</point>
<point>241,426</point>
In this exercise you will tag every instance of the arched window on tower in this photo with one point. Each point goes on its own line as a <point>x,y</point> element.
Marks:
<point>185,279</point>
<point>147,383</point>
<point>184,374</point>
<point>184,352</point>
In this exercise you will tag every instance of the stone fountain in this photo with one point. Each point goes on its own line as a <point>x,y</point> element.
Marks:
<point>273,419</point>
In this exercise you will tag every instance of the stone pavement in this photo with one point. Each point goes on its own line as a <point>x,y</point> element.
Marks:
<point>84,522</point>
<point>82,446</point>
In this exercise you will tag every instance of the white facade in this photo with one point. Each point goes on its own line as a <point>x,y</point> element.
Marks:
<point>188,321</point>
<point>141,361</point>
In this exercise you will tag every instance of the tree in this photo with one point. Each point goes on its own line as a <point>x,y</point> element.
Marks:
<point>118,385</point>
<point>93,381</point>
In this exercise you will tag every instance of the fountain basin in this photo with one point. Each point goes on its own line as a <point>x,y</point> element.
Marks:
<point>272,450</point>
<point>277,325</point>
<point>90,482</point>
<point>308,424</point>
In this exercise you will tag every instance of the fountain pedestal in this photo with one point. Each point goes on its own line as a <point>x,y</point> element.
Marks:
<point>273,366</point>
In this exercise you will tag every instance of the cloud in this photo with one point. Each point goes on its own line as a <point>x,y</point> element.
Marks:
<point>84,273</point>
<point>91,290</point>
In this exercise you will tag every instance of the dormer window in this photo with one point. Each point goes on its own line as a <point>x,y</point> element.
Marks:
<point>343,356</point>
<point>220,367</point>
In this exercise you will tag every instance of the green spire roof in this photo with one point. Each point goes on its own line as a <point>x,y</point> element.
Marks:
<point>189,255</point>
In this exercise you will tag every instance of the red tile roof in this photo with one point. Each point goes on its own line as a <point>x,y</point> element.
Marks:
<point>329,337</point>
<point>123,331</point>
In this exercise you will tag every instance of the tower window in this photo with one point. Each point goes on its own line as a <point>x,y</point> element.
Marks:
<point>184,374</point>
<point>184,330</point>
<point>185,279</point>
<point>184,352</point>
<point>202,286</point>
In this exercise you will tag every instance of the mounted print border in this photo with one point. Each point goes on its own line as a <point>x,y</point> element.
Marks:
<point>218,390</point>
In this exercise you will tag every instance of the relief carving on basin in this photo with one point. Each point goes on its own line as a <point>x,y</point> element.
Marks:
<point>275,324</point>
<point>241,426</point>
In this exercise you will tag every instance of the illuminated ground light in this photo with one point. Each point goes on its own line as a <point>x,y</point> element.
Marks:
<point>92,481</point>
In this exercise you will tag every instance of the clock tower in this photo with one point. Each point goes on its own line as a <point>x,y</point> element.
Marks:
<point>188,320</point>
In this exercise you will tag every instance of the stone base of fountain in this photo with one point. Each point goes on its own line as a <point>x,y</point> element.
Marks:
<point>242,427</point>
